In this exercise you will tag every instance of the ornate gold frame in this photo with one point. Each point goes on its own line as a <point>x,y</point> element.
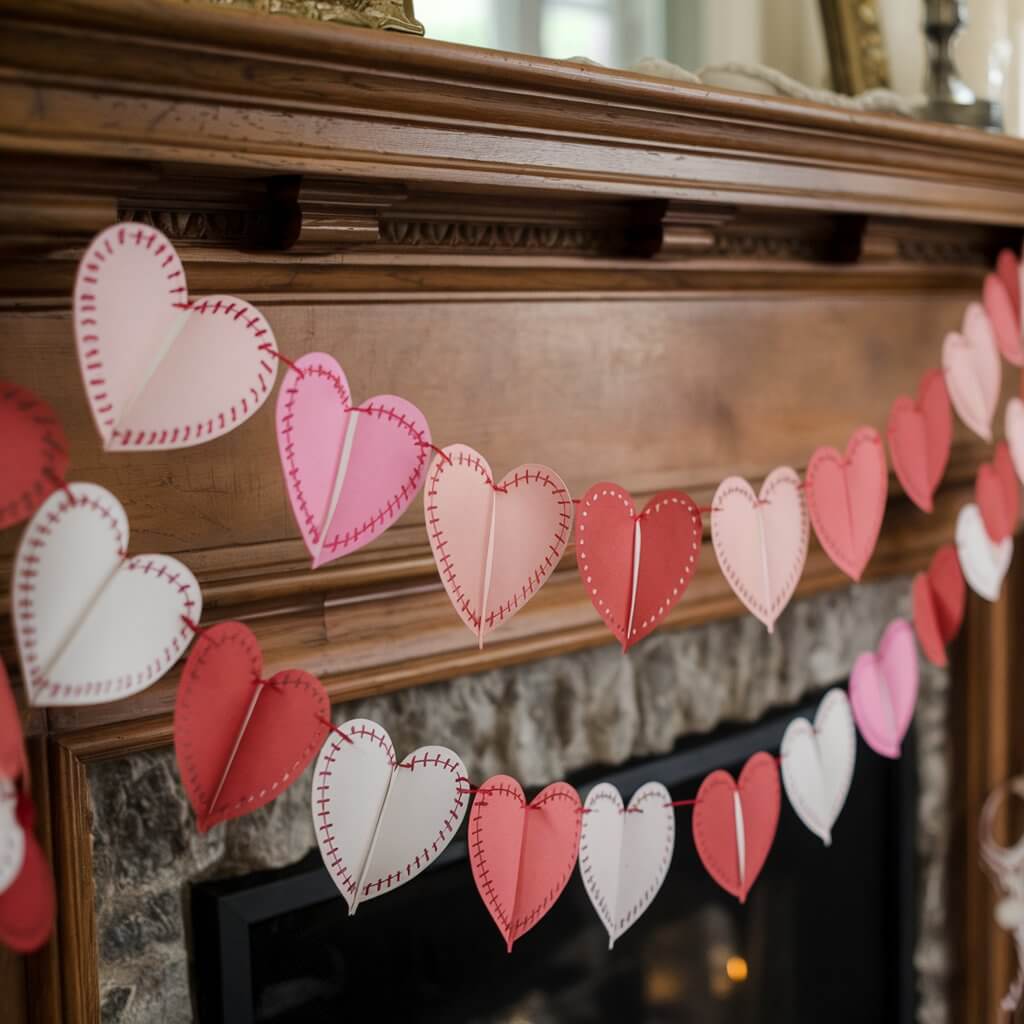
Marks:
<point>396,15</point>
<point>856,45</point>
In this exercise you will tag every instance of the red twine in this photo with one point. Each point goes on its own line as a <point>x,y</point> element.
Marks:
<point>267,347</point>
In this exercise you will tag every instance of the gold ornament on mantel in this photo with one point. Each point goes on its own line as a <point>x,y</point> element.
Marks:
<point>397,15</point>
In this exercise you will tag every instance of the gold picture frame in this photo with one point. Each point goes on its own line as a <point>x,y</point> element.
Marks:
<point>856,45</point>
<point>396,15</point>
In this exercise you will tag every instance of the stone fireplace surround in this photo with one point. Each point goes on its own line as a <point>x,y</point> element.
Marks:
<point>537,722</point>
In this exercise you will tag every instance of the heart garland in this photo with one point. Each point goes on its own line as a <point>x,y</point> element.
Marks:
<point>495,543</point>
<point>1014,427</point>
<point>522,854</point>
<point>92,624</point>
<point>920,437</point>
<point>761,540</point>
<point>350,472</point>
<point>983,561</point>
<point>625,852</point>
<point>974,373</point>
<point>939,597</point>
<point>997,495</point>
<point>240,740</point>
<point>636,568</point>
<point>1004,317</point>
<point>161,371</point>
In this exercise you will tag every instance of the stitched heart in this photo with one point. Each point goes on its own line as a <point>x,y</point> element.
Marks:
<point>625,853</point>
<point>92,624</point>
<point>997,494</point>
<point>761,540</point>
<point>983,562</point>
<point>350,471</point>
<point>883,689</point>
<point>1004,319</point>
<point>495,544</point>
<point>1008,270</point>
<point>939,597</point>
<point>734,823</point>
<point>241,741</point>
<point>12,836</point>
<point>636,568</point>
<point>522,855</point>
<point>973,371</point>
<point>13,760</point>
<point>1015,435</point>
<point>27,906</point>
<point>161,371</point>
<point>817,763</point>
<point>920,436</point>
<point>33,456</point>
<point>846,497</point>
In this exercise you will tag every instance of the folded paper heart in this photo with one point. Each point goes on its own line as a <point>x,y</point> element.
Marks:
<point>495,543</point>
<point>92,624</point>
<point>350,471</point>
<point>13,760</point>
<point>636,568</point>
<point>734,823</point>
<point>625,852</point>
<point>883,689</point>
<point>939,597</point>
<point>997,494</point>
<point>846,496</point>
<point>1004,318</point>
<point>522,854</point>
<point>240,740</point>
<point>161,371</point>
<point>380,821</point>
<point>761,540</point>
<point>1015,435</point>
<point>33,456</point>
<point>983,562</point>
<point>920,436</point>
<point>12,836</point>
<point>817,763</point>
<point>1008,270</point>
<point>974,373</point>
<point>28,905</point>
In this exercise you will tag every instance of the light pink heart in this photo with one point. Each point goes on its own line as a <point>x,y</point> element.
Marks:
<point>350,471</point>
<point>1015,434</point>
<point>761,541</point>
<point>974,373</point>
<point>883,689</point>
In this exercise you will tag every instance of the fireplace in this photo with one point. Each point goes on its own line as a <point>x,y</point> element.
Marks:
<point>828,934</point>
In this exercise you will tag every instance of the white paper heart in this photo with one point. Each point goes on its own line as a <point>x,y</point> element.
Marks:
<point>817,763</point>
<point>984,564</point>
<point>380,822</point>
<point>12,836</point>
<point>625,853</point>
<point>1015,435</point>
<point>92,624</point>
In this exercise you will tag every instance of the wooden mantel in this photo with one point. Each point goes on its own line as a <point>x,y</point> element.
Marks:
<point>622,277</point>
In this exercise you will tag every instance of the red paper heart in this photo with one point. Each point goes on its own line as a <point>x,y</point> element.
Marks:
<point>1008,271</point>
<point>939,596</point>
<point>33,455</point>
<point>846,498</point>
<point>240,742</point>
<point>997,494</point>
<point>27,907</point>
<point>522,856</point>
<point>1005,319</point>
<point>715,819</point>
<point>920,436</point>
<point>670,536</point>
<point>13,762</point>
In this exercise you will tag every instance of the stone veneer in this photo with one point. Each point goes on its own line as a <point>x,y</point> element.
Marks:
<point>537,722</point>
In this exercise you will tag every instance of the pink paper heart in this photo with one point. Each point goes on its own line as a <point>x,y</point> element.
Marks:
<point>1008,271</point>
<point>974,373</point>
<point>883,689</point>
<point>920,435</point>
<point>350,471</point>
<point>1015,435</point>
<point>495,544</point>
<point>761,541</point>
<point>846,496</point>
<point>1004,318</point>
<point>162,371</point>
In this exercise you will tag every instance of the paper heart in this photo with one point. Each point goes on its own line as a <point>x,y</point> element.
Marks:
<point>983,562</point>
<point>974,373</point>
<point>939,597</point>
<point>625,853</point>
<point>1015,435</point>
<point>380,822</point>
<point>241,741</point>
<point>12,836</point>
<point>33,456</point>
<point>522,855</point>
<point>920,436</point>
<point>495,544</point>
<point>817,763</point>
<point>1004,319</point>
<point>1008,270</point>
<point>27,906</point>
<point>997,494</point>
<point>883,689</point>
<point>350,471</point>
<point>161,371</point>
<point>92,624</point>
<point>636,568</point>
<point>734,824</point>
<point>761,541</point>
<point>13,760</point>
<point>846,496</point>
